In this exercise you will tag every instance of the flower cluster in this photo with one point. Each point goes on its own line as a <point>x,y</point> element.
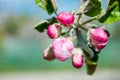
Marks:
<point>73,35</point>
<point>62,47</point>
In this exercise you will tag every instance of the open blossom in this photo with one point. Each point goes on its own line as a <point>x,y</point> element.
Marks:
<point>62,48</point>
<point>77,58</point>
<point>48,54</point>
<point>98,38</point>
<point>53,31</point>
<point>65,18</point>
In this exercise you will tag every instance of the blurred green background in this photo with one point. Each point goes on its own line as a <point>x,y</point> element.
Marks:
<point>21,46</point>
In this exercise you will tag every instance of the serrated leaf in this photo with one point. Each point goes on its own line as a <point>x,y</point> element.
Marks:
<point>94,8</point>
<point>47,5</point>
<point>43,25</point>
<point>112,13</point>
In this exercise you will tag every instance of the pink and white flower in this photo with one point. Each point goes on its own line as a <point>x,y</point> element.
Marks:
<point>65,18</point>
<point>98,38</point>
<point>53,31</point>
<point>62,48</point>
<point>77,58</point>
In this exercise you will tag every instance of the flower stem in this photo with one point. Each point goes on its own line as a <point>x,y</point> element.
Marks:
<point>83,27</point>
<point>90,20</point>
<point>79,16</point>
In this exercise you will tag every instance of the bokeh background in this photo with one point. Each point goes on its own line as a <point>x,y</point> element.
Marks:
<point>21,46</point>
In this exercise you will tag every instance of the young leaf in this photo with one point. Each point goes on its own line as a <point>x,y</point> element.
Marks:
<point>63,33</point>
<point>91,68</point>
<point>112,13</point>
<point>94,8</point>
<point>54,5</point>
<point>91,64</point>
<point>83,7</point>
<point>47,5</point>
<point>83,44</point>
<point>52,20</point>
<point>44,24</point>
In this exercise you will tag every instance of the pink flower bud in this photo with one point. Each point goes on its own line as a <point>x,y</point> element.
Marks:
<point>65,18</point>
<point>53,31</point>
<point>77,58</point>
<point>98,38</point>
<point>62,48</point>
<point>49,54</point>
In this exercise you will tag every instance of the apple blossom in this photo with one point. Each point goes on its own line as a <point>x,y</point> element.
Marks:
<point>77,58</point>
<point>53,31</point>
<point>62,48</point>
<point>98,38</point>
<point>65,18</point>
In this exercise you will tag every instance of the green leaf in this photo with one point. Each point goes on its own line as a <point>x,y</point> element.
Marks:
<point>52,20</point>
<point>91,69</point>
<point>43,25</point>
<point>83,7</point>
<point>83,44</point>
<point>112,13</point>
<point>63,33</point>
<point>88,51</point>
<point>91,64</point>
<point>107,33</point>
<point>94,8</point>
<point>47,5</point>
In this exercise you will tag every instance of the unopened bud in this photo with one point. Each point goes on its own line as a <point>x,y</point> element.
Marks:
<point>77,58</point>
<point>53,31</point>
<point>98,38</point>
<point>48,54</point>
<point>65,18</point>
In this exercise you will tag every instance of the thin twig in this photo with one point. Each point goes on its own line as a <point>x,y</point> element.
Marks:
<point>79,16</point>
<point>83,27</point>
<point>90,20</point>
